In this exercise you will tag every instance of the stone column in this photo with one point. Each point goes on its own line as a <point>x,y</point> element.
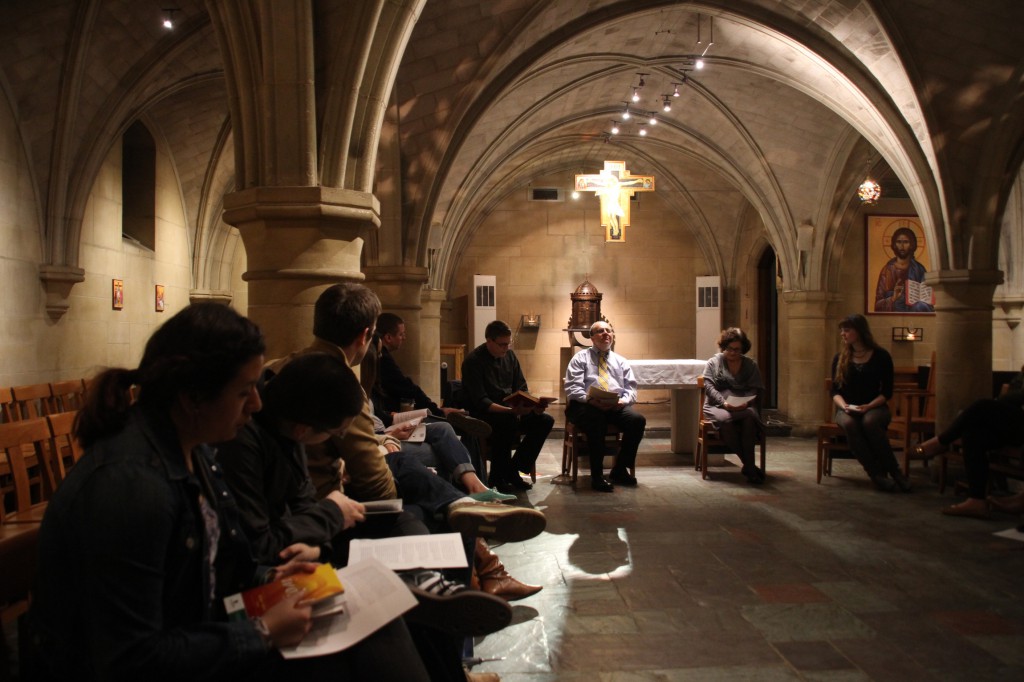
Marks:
<point>808,356</point>
<point>430,343</point>
<point>963,338</point>
<point>400,290</point>
<point>298,241</point>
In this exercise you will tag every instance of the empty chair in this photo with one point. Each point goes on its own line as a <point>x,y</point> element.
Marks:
<point>25,445</point>
<point>65,450</point>
<point>30,401</point>
<point>66,396</point>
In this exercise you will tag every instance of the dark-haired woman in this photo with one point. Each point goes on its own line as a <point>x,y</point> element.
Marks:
<point>731,374</point>
<point>862,384</point>
<point>141,542</point>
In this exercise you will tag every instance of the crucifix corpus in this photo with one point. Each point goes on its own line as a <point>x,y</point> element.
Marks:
<point>614,186</point>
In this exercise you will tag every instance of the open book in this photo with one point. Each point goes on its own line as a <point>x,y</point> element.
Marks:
<point>739,400</point>
<point>600,395</point>
<point>383,506</point>
<point>524,399</point>
<point>419,434</point>
<point>916,291</point>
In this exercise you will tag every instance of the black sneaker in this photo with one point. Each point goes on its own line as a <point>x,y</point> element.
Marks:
<point>622,478</point>
<point>601,485</point>
<point>902,482</point>
<point>452,607</point>
<point>884,483</point>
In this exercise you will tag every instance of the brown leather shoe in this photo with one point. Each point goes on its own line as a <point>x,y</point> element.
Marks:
<point>492,577</point>
<point>508,588</point>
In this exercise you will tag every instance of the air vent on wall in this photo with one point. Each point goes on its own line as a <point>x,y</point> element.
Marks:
<point>545,194</point>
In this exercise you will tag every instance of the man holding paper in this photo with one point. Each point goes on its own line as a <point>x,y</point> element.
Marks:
<point>731,384</point>
<point>601,390</point>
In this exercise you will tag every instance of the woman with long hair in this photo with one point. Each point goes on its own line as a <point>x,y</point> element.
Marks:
<point>731,374</point>
<point>862,385</point>
<point>141,542</point>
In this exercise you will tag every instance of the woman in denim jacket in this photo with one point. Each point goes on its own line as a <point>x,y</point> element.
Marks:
<point>141,541</point>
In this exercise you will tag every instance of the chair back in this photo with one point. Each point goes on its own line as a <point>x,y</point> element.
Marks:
<point>24,445</point>
<point>6,405</point>
<point>67,396</point>
<point>30,401</point>
<point>65,449</point>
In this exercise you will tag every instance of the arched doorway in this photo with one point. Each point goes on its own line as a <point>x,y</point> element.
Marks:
<point>768,326</point>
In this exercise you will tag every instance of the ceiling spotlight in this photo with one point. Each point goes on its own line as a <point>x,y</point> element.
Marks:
<point>653,121</point>
<point>615,127</point>
<point>168,21</point>
<point>643,132</point>
<point>636,95</point>
<point>641,78</point>
<point>575,194</point>
<point>667,104</point>
<point>675,91</point>
<point>625,114</point>
<point>699,64</point>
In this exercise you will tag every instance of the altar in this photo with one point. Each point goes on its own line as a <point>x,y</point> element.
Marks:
<point>680,376</point>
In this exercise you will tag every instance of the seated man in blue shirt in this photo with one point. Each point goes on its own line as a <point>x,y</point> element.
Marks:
<point>600,366</point>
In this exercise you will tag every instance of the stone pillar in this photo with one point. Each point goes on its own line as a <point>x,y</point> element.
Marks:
<point>298,241</point>
<point>400,290</point>
<point>430,343</point>
<point>809,353</point>
<point>963,338</point>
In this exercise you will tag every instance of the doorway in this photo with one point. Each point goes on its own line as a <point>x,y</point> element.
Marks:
<point>768,326</point>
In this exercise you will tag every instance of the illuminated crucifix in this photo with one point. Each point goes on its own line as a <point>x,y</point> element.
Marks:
<point>614,186</point>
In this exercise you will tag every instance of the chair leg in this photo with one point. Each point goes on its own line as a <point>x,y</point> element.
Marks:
<point>820,462</point>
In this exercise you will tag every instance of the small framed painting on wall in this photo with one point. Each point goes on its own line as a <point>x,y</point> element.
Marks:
<point>117,294</point>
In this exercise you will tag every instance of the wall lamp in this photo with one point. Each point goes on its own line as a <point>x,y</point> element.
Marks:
<point>908,334</point>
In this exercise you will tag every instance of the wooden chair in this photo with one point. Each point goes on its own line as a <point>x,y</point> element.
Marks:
<point>919,413</point>
<point>708,437</point>
<point>30,401</point>
<point>6,405</point>
<point>21,504</point>
<point>574,446</point>
<point>65,450</point>
<point>66,396</point>
<point>831,438</point>
<point>483,451</point>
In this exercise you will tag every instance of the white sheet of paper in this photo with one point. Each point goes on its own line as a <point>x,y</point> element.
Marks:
<point>374,596</point>
<point>443,550</point>
<point>1011,534</point>
<point>739,400</point>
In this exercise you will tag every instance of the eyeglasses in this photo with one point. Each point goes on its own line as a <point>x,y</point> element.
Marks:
<point>734,349</point>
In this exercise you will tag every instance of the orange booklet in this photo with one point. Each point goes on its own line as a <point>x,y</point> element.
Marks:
<point>317,586</point>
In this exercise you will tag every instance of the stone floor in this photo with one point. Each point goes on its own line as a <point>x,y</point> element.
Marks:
<point>686,579</point>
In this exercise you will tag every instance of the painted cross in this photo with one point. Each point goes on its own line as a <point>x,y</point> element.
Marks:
<point>614,186</point>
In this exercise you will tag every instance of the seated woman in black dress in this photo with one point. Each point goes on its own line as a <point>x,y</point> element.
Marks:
<point>862,382</point>
<point>732,373</point>
<point>985,425</point>
<point>141,542</point>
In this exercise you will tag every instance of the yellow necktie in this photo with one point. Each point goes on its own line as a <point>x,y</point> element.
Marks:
<point>602,371</point>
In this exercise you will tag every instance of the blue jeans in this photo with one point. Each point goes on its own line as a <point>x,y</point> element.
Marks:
<point>442,449</point>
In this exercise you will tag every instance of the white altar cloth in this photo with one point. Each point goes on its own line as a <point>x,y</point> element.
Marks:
<point>667,373</point>
<point>680,376</point>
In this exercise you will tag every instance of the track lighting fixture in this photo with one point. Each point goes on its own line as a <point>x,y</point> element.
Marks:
<point>667,104</point>
<point>168,20</point>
